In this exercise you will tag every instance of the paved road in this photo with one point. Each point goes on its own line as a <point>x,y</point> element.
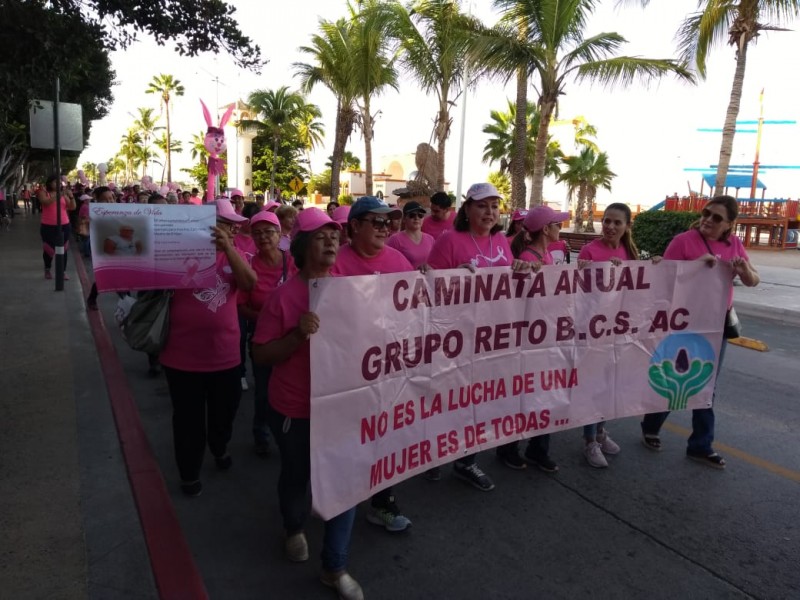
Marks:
<point>651,526</point>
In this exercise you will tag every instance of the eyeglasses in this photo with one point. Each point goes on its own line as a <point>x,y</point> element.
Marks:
<point>265,232</point>
<point>377,223</point>
<point>716,217</point>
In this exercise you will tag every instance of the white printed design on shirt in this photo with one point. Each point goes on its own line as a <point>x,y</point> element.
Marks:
<point>501,254</point>
<point>213,298</point>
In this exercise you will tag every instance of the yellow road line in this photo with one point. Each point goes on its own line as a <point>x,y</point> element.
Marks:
<point>750,343</point>
<point>742,455</point>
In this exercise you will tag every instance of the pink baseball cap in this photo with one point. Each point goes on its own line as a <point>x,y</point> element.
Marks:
<point>235,192</point>
<point>312,219</point>
<point>226,212</point>
<point>266,216</point>
<point>519,214</point>
<point>540,216</point>
<point>271,205</point>
<point>340,214</point>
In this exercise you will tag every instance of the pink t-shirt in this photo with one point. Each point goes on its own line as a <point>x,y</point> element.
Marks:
<point>49,216</point>
<point>559,252</point>
<point>457,248</point>
<point>204,326</point>
<point>290,382</point>
<point>436,228</point>
<point>245,245</point>
<point>196,200</point>
<point>531,256</point>
<point>417,254</point>
<point>269,279</point>
<point>597,251</point>
<point>690,245</point>
<point>83,212</point>
<point>388,260</point>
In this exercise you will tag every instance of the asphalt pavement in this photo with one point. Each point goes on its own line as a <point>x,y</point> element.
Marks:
<point>651,526</point>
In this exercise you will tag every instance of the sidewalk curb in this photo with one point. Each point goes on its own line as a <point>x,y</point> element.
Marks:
<point>174,570</point>
<point>773,313</point>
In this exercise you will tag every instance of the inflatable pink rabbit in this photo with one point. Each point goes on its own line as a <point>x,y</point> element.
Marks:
<point>215,144</point>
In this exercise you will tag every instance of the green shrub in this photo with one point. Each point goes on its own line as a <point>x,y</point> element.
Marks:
<point>345,199</point>
<point>653,230</point>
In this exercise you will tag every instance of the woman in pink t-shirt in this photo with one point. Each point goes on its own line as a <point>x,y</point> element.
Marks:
<point>281,339</point>
<point>273,267</point>
<point>201,357</point>
<point>476,241</point>
<point>411,242</point>
<point>711,239</point>
<point>48,229</point>
<point>540,228</point>
<point>616,245</point>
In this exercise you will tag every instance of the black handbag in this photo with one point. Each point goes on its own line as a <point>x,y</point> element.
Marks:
<point>733,328</point>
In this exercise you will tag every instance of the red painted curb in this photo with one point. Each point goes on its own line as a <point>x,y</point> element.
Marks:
<point>174,570</point>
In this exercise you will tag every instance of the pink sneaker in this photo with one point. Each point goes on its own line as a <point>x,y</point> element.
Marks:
<point>607,445</point>
<point>48,274</point>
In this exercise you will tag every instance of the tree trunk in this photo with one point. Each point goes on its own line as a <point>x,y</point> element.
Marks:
<point>442,133</point>
<point>540,154</point>
<point>272,171</point>
<point>592,196</point>
<point>366,129</point>
<point>729,128</point>
<point>169,145</point>
<point>519,146</point>
<point>345,117</point>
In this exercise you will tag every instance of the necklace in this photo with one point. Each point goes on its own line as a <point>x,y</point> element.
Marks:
<point>491,259</point>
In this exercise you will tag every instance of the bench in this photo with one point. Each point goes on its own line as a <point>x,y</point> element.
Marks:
<point>577,241</point>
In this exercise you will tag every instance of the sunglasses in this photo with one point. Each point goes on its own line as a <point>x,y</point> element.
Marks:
<point>415,215</point>
<point>717,218</point>
<point>378,223</point>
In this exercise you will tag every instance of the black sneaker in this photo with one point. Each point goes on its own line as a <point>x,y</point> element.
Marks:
<point>545,463</point>
<point>473,475</point>
<point>223,462</point>
<point>512,460</point>
<point>192,488</point>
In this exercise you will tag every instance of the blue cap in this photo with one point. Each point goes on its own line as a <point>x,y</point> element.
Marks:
<point>371,204</point>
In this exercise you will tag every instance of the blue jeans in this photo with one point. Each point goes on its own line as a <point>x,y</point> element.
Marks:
<point>261,374</point>
<point>293,439</point>
<point>590,431</point>
<point>702,438</point>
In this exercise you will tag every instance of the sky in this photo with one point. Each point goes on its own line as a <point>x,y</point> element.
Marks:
<point>650,133</point>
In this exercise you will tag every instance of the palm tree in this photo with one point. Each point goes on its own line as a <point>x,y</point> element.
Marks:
<point>586,172</point>
<point>348,162</point>
<point>547,38</point>
<point>114,167</point>
<point>310,131</point>
<point>146,126</point>
<point>431,37</point>
<point>500,146</point>
<point>165,86</point>
<point>90,170</point>
<point>129,152</point>
<point>280,111</point>
<point>198,147</point>
<point>331,53</point>
<point>373,69</point>
<point>167,147</point>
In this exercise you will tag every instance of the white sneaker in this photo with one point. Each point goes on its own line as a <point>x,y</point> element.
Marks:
<point>245,387</point>
<point>594,456</point>
<point>607,445</point>
<point>296,547</point>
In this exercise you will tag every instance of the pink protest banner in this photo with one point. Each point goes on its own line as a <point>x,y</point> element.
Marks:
<point>152,246</point>
<point>411,371</point>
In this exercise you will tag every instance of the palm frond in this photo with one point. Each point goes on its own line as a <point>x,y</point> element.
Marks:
<point>624,70</point>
